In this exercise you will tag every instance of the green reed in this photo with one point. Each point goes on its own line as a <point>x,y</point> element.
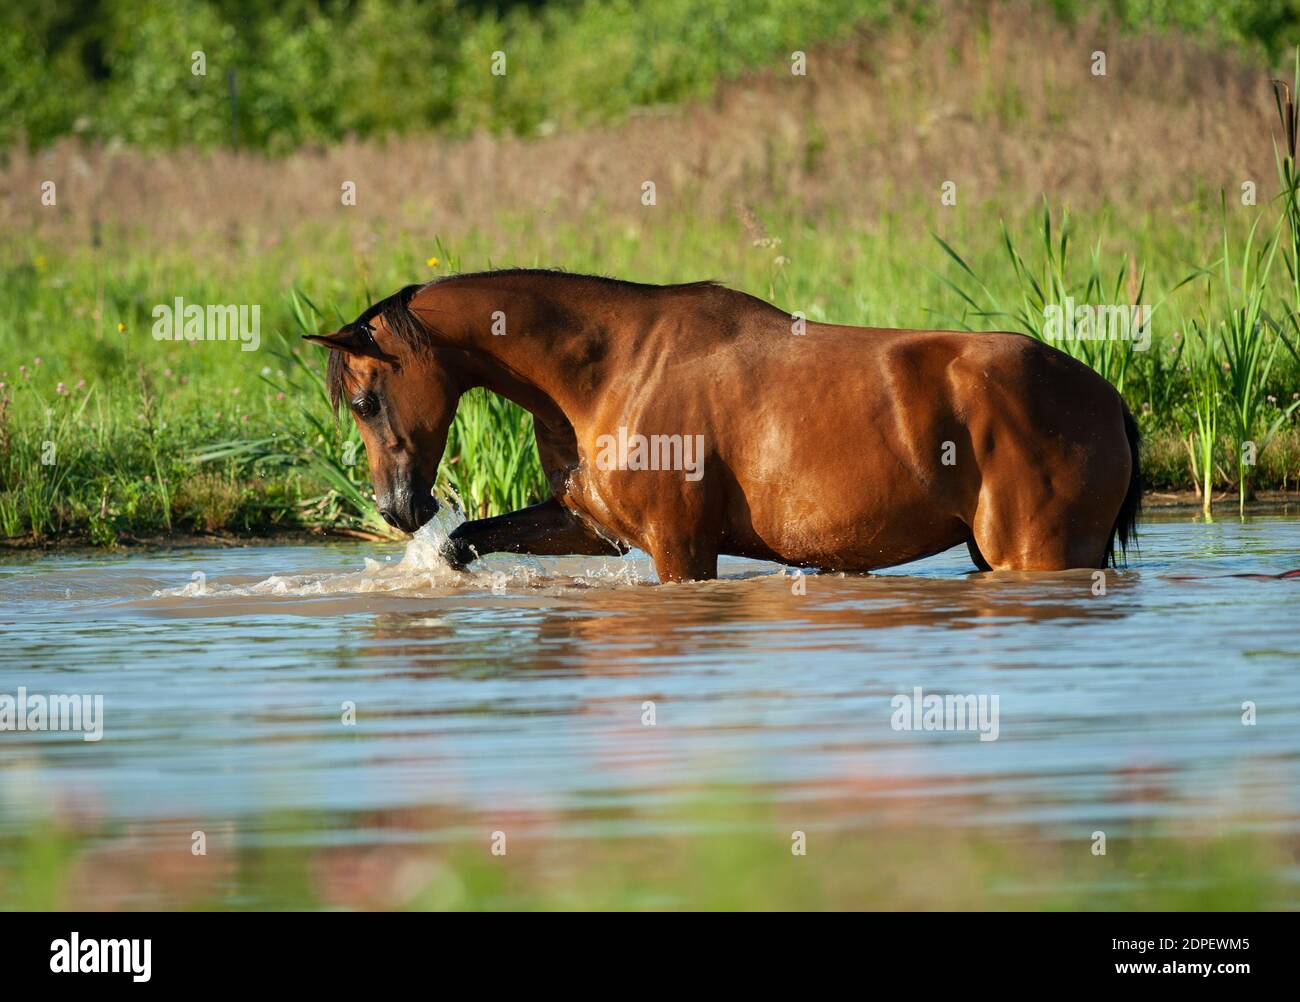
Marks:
<point>1053,284</point>
<point>1249,351</point>
<point>1288,180</point>
<point>1204,404</point>
<point>491,462</point>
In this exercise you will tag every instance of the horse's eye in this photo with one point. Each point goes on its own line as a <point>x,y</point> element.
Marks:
<point>365,406</point>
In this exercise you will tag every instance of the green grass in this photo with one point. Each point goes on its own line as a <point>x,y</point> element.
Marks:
<point>150,437</point>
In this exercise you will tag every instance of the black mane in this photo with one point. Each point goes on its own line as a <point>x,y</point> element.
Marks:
<point>397,318</point>
<point>573,276</point>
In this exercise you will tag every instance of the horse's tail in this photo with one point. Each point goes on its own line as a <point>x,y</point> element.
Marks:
<point>1125,528</point>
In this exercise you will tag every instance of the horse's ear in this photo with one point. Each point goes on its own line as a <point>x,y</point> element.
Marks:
<point>351,342</point>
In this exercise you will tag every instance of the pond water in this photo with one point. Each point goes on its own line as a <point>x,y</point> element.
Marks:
<point>526,685</point>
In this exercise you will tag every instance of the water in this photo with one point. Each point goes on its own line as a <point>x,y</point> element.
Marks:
<point>520,688</point>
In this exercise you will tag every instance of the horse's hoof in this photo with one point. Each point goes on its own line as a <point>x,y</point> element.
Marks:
<point>458,554</point>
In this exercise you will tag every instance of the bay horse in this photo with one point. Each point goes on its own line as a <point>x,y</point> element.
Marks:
<point>694,420</point>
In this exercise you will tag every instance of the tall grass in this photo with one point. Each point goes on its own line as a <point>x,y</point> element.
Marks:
<point>1231,376</point>
<point>1203,404</point>
<point>1053,285</point>
<point>491,463</point>
<point>1248,351</point>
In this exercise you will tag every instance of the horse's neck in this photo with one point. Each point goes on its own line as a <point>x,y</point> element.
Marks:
<point>547,351</point>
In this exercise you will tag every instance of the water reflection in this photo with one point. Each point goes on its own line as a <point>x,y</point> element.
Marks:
<point>623,631</point>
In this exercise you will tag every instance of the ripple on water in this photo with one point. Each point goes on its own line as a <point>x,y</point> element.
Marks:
<point>524,682</point>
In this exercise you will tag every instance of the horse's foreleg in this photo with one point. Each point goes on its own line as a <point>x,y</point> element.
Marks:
<point>545,529</point>
<point>684,560</point>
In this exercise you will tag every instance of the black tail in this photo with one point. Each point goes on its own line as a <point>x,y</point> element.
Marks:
<point>1125,529</point>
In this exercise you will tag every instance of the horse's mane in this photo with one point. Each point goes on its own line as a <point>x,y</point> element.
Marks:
<point>573,276</point>
<point>398,318</point>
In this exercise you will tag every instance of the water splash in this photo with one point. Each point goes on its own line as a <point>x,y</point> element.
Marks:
<point>424,551</point>
<point>422,570</point>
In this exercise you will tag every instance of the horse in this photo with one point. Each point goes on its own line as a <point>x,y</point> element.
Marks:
<point>695,420</point>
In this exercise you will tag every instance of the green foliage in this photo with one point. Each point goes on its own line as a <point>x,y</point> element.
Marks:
<point>313,72</point>
<point>491,463</point>
<point>1204,402</point>
<point>277,76</point>
<point>1230,377</point>
<point>1248,351</point>
<point>1269,25</point>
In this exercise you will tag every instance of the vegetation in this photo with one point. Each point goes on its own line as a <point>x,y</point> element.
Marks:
<point>735,854</point>
<point>276,74</point>
<point>108,434</point>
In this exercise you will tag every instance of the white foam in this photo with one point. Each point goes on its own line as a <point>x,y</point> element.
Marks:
<point>421,571</point>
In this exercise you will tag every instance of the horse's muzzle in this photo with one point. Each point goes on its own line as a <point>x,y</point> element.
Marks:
<point>410,512</point>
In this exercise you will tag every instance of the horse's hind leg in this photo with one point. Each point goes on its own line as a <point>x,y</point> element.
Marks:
<point>545,529</point>
<point>1044,507</point>
<point>1039,534</point>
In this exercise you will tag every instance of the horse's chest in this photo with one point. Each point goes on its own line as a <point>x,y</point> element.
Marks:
<point>623,505</point>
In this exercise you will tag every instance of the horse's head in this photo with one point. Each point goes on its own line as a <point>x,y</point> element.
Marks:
<point>403,402</point>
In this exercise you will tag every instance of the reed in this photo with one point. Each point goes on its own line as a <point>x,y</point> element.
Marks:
<point>1285,159</point>
<point>1248,350</point>
<point>491,463</point>
<point>1052,287</point>
<point>1204,404</point>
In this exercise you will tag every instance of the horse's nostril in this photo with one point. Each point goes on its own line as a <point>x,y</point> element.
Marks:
<point>387,515</point>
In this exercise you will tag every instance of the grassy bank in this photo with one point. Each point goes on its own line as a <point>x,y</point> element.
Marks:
<point>123,436</point>
<point>824,194</point>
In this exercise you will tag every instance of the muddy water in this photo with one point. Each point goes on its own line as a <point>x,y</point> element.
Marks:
<point>526,685</point>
